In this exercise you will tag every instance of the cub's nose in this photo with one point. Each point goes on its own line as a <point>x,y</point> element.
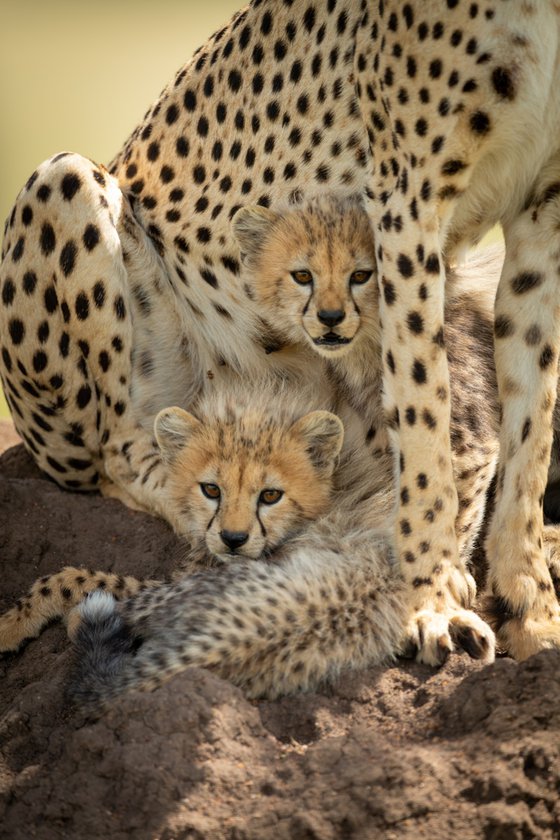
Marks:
<point>234,539</point>
<point>331,317</point>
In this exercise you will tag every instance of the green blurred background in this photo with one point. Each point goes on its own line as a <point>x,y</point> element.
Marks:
<point>78,76</point>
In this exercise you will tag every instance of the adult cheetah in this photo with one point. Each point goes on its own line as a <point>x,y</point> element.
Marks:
<point>121,289</point>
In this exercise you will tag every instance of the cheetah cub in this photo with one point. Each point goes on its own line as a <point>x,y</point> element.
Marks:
<point>254,477</point>
<point>247,471</point>
<point>311,267</point>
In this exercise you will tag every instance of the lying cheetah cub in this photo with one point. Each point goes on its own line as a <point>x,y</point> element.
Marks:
<point>253,477</point>
<point>246,472</point>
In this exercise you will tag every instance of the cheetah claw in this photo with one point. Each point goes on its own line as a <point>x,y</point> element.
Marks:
<point>431,636</point>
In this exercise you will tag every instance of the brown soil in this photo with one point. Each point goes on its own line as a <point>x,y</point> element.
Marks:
<point>398,752</point>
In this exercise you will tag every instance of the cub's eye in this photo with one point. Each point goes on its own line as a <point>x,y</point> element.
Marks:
<point>270,497</point>
<point>211,491</point>
<point>360,277</point>
<point>302,277</point>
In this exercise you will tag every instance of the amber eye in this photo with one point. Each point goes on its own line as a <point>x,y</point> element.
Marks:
<point>360,277</point>
<point>270,497</point>
<point>302,277</point>
<point>211,491</point>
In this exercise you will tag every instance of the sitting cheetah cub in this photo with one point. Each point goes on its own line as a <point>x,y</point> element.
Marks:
<point>311,268</point>
<point>246,473</point>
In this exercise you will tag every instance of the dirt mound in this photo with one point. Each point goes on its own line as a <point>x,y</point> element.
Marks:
<point>397,752</point>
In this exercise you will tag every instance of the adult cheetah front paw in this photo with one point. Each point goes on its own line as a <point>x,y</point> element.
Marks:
<point>431,635</point>
<point>440,622</point>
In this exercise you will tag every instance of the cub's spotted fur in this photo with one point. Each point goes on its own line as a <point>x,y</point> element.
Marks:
<point>54,596</point>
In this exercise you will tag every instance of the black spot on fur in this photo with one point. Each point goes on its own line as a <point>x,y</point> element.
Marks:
<point>503,327</point>
<point>404,265</point>
<point>502,83</point>
<point>526,281</point>
<point>480,123</point>
<point>419,372</point>
<point>91,237</point>
<point>48,239</point>
<point>70,185</point>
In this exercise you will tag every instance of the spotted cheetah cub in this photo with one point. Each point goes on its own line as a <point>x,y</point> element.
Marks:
<point>247,471</point>
<point>311,267</point>
<point>320,594</point>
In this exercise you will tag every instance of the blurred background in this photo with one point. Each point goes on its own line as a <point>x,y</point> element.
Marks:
<point>77,76</point>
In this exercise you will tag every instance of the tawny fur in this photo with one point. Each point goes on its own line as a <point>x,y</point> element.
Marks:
<point>54,596</point>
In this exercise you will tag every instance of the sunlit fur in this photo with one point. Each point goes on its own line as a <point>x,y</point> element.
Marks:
<point>306,237</point>
<point>245,443</point>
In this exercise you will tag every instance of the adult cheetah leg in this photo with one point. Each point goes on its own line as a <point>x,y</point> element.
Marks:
<point>411,206</point>
<point>523,603</point>
<point>417,399</point>
<point>66,334</point>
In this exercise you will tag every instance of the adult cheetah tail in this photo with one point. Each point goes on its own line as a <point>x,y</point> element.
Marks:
<point>102,648</point>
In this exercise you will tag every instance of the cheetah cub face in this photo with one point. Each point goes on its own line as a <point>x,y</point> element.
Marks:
<point>312,269</point>
<point>242,480</point>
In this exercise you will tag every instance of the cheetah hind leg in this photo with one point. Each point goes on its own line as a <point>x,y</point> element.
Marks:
<point>522,602</point>
<point>67,329</point>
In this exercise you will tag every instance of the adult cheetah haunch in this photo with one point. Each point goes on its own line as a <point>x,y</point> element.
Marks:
<point>122,291</point>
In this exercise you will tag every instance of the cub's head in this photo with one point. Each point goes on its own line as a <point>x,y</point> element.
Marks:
<point>242,485</point>
<point>311,268</point>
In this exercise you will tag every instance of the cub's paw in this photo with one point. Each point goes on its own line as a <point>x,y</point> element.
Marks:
<point>431,635</point>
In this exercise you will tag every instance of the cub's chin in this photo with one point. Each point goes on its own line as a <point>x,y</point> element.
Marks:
<point>238,556</point>
<point>331,344</point>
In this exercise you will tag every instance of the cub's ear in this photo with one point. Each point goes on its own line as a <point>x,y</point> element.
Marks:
<point>323,434</point>
<point>250,227</point>
<point>173,429</point>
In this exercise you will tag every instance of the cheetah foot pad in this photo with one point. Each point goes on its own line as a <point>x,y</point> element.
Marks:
<point>431,636</point>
